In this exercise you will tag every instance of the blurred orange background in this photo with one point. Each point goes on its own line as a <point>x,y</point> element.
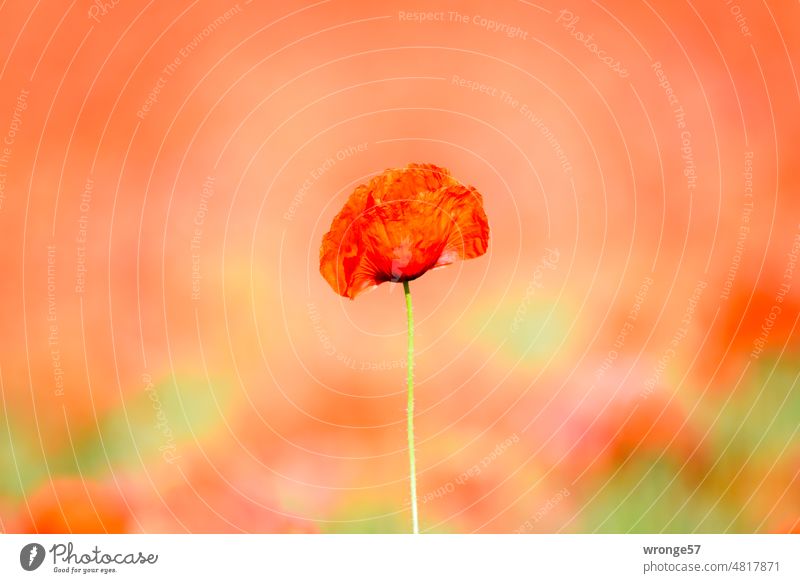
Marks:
<point>623,359</point>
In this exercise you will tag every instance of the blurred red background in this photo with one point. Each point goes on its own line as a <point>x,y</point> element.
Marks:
<point>623,359</point>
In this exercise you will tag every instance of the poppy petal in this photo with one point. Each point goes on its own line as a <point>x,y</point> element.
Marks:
<point>401,224</point>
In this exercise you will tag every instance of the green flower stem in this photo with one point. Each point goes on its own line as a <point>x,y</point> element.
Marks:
<point>410,379</point>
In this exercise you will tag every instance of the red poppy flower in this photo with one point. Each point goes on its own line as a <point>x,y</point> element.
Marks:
<point>401,224</point>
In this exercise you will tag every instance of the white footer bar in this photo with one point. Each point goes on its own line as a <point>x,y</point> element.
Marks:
<point>401,558</point>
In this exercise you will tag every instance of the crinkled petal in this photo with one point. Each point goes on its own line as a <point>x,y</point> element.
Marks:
<point>400,225</point>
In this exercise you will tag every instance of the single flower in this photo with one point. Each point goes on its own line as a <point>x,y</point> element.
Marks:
<point>401,224</point>
<point>395,228</point>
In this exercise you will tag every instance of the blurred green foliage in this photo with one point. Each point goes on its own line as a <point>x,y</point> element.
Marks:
<point>151,423</point>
